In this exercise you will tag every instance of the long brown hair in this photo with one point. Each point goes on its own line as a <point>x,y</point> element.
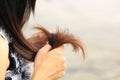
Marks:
<point>13,15</point>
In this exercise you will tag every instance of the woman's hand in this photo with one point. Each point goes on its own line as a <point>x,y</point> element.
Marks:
<point>49,64</point>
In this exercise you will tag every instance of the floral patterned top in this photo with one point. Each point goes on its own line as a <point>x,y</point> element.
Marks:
<point>19,68</point>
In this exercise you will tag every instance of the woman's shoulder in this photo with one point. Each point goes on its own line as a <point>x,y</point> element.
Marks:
<point>4,49</point>
<point>4,53</point>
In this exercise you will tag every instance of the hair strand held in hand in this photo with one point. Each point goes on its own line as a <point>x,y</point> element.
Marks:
<point>57,39</point>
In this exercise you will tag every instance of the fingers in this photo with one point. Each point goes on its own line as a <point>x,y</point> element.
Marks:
<point>44,50</point>
<point>60,49</point>
<point>57,75</point>
<point>57,52</point>
<point>61,74</point>
<point>61,67</point>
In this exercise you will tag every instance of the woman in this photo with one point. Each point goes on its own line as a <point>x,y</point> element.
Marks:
<point>16,53</point>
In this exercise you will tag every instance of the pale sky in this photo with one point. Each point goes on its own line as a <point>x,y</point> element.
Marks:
<point>84,13</point>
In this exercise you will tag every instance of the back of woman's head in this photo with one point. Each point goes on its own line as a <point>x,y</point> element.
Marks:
<point>15,12</point>
<point>13,15</point>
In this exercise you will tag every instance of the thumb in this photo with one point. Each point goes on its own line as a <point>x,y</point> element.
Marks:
<point>44,50</point>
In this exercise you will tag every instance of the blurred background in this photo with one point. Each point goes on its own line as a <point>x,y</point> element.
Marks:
<point>96,23</point>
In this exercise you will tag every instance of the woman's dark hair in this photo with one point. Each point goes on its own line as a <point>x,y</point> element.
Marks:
<point>13,15</point>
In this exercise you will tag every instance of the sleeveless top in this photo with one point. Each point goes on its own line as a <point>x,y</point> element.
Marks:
<point>19,68</point>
